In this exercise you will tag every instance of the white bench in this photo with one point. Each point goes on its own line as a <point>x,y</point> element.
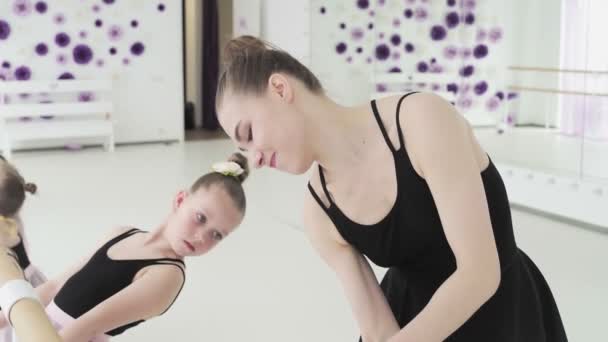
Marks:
<point>71,119</point>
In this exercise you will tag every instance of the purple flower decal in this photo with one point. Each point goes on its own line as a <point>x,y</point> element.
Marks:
<point>435,68</point>
<point>126,61</point>
<point>62,59</point>
<point>115,32</point>
<point>511,96</point>
<point>137,49</point>
<point>5,30</point>
<point>500,95</point>
<point>370,26</point>
<point>5,75</point>
<point>495,35</point>
<point>409,48</point>
<point>82,54</point>
<point>62,39</point>
<point>41,49</point>
<point>134,23</point>
<point>480,51</point>
<point>408,13</point>
<point>438,32</point>
<point>98,23</point>
<point>322,10</point>
<point>22,7</point>
<point>468,4</point>
<point>112,51</point>
<point>66,76</point>
<point>450,52</point>
<point>420,13</point>
<point>357,34</point>
<point>349,59</point>
<point>83,34</point>
<point>481,35</point>
<point>382,52</point>
<point>465,102</point>
<point>96,8</point>
<point>395,39</point>
<point>480,88</point>
<point>363,4</point>
<point>100,62</point>
<point>469,18</point>
<point>422,67</point>
<point>161,7</point>
<point>86,97</point>
<point>359,49</point>
<point>452,19</point>
<point>466,53</point>
<point>341,48</point>
<point>452,87</point>
<point>59,19</point>
<point>41,7</point>
<point>492,103</point>
<point>108,2</point>
<point>342,26</point>
<point>23,73</point>
<point>467,71</point>
<point>6,64</point>
<point>451,3</point>
<point>396,55</point>
<point>435,87</point>
<point>381,88</point>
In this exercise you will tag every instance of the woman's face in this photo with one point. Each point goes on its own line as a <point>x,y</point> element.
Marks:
<point>268,126</point>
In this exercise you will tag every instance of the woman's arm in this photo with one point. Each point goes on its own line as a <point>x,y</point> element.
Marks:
<point>369,305</point>
<point>146,297</point>
<point>28,317</point>
<point>439,141</point>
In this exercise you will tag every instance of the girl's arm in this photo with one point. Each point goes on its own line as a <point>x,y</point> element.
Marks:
<point>29,319</point>
<point>147,297</point>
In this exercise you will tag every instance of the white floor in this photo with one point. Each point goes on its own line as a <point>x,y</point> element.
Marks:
<point>264,283</point>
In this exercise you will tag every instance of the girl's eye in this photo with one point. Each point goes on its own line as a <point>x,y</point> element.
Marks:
<point>201,218</point>
<point>217,236</point>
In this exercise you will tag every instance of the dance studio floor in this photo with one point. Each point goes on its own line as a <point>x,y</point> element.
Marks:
<point>264,283</point>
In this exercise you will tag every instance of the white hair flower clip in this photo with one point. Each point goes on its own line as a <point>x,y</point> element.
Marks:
<point>228,168</point>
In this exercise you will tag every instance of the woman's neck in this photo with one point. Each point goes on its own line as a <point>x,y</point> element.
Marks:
<point>340,136</point>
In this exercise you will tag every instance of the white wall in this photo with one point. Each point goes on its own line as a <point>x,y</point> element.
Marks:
<point>148,92</point>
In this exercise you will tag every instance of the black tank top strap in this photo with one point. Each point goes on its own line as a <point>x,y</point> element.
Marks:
<point>119,238</point>
<point>324,186</point>
<point>381,125</point>
<point>398,110</point>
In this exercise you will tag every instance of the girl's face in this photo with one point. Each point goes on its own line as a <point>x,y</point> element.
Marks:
<point>269,127</point>
<point>200,220</point>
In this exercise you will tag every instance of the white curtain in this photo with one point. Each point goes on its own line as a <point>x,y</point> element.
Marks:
<point>583,48</point>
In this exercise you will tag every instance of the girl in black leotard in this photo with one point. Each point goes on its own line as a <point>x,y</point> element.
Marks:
<point>136,275</point>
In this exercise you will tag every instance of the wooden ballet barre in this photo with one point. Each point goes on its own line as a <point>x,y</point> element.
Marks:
<point>556,91</point>
<point>557,70</point>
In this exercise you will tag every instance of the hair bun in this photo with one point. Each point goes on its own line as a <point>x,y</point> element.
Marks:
<point>241,47</point>
<point>243,163</point>
<point>31,188</point>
